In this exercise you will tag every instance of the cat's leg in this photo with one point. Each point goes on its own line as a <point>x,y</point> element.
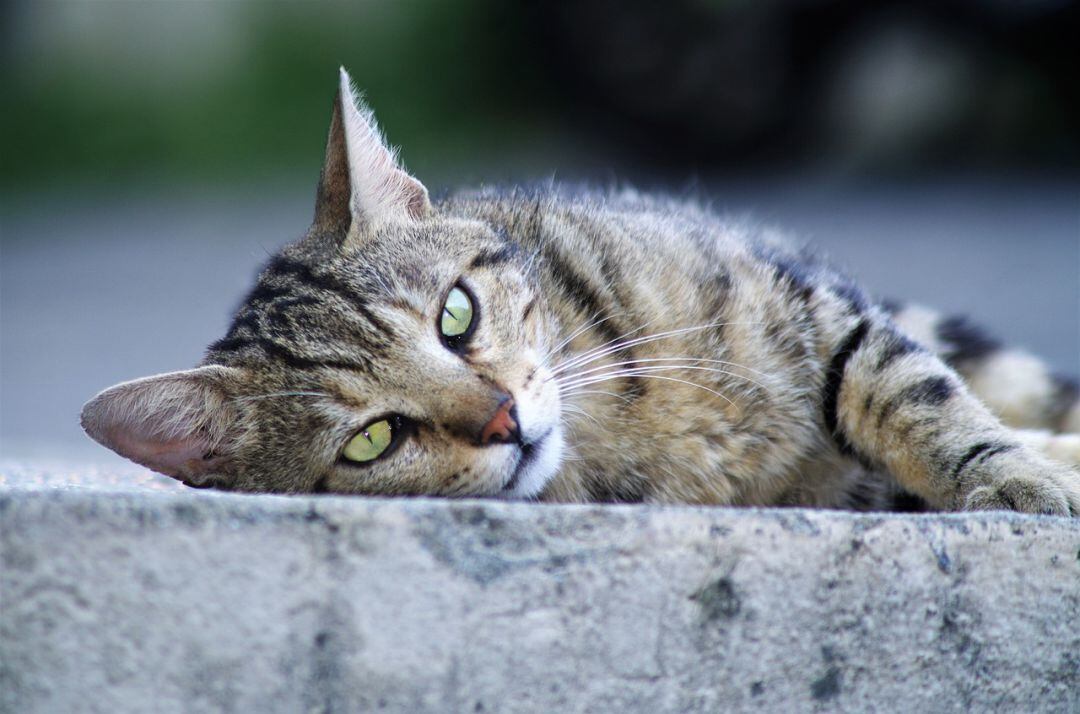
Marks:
<point>1017,386</point>
<point>893,403</point>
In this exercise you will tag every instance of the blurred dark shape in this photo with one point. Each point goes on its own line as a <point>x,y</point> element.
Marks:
<point>885,85</point>
<point>117,92</point>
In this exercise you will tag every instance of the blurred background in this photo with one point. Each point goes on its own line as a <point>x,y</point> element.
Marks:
<point>155,153</point>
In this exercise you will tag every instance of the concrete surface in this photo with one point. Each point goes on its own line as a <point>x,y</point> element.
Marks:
<point>119,596</point>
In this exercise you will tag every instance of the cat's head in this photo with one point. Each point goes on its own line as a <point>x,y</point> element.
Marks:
<point>394,350</point>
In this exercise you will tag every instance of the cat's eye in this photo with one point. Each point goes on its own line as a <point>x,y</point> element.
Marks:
<point>372,441</point>
<point>456,319</point>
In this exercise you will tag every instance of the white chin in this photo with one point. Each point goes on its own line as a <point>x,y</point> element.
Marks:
<point>545,464</point>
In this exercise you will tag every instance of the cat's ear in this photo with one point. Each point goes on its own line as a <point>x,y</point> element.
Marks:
<point>362,184</point>
<point>178,424</point>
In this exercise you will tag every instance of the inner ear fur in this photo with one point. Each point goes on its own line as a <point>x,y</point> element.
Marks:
<point>182,424</point>
<point>362,185</point>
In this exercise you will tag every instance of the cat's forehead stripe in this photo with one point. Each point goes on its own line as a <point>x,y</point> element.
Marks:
<point>493,257</point>
<point>327,282</point>
<point>289,292</point>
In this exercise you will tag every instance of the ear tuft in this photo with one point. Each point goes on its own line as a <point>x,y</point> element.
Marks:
<point>178,424</point>
<point>381,190</point>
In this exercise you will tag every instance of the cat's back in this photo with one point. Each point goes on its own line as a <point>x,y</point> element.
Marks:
<point>623,233</point>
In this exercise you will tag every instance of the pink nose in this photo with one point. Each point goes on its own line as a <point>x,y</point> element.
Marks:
<point>502,428</point>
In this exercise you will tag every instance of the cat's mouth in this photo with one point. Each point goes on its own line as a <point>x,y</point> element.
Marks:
<point>525,480</point>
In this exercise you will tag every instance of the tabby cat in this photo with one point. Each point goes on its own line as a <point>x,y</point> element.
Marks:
<point>576,346</point>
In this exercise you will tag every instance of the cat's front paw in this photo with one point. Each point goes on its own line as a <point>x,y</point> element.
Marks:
<point>1033,485</point>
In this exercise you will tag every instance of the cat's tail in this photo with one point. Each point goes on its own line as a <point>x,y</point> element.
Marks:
<point>1017,386</point>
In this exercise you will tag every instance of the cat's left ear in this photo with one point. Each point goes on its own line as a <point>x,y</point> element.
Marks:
<point>362,183</point>
<point>180,424</point>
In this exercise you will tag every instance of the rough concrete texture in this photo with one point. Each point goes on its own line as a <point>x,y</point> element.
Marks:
<point>184,602</point>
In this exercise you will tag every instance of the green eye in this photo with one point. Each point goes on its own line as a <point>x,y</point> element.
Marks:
<point>457,314</point>
<point>371,442</point>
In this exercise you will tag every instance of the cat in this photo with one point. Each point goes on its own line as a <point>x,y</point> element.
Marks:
<point>587,346</point>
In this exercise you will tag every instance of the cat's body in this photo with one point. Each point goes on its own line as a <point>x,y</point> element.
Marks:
<point>743,425</point>
<point>610,348</point>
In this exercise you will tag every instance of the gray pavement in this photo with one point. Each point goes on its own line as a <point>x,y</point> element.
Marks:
<point>165,602</point>
<point>98,289</point>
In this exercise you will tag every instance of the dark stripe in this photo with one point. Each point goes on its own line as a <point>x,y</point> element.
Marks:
<point>249,319</point>
<point>835,377</point>
<point>982,451</point>
<point>528,310</point>
<point>794,273</point>
<point>931,391</point>
<point>229,344</point>
<point>264,292</point>
<point>636,387</point>
<point>282,324</point>
<point>283,304</point>
<point>624,489</point>
<point>721,283</point>
<point>971,454</point>
<point>576,287</point>
<point>324,281</point>
<point>897,346</point>
<point>862,496</point>
<point>904,502</point>
<point>965,341</point>
<point>233,340</point>
<point>489,258</point>
<point>263,316</point>
<point>852,295</point>
<point>295,361</point>
<point>718,290</point>
<point>593,305</point>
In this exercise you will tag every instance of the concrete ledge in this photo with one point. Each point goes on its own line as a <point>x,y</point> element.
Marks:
<point>183,602</point>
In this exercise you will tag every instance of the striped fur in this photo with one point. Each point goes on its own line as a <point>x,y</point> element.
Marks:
<point>653,351</point>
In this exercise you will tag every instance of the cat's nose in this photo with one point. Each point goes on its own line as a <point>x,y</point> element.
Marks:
<point>503,427</point>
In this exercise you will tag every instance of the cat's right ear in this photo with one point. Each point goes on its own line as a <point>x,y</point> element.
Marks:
<point>362,184</point>
<point>180,424</point>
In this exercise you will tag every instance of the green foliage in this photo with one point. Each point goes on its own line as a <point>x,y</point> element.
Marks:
<point>444,78</point>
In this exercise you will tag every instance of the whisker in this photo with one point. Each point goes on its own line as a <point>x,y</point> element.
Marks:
<point>593,323</point>
<point>575,359</point>
<point>687,362</point>
<point>599,352</point>
<point>606,393</point>
<point>604,378</point>
<point>575,411</point>
<point>641,371</point>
